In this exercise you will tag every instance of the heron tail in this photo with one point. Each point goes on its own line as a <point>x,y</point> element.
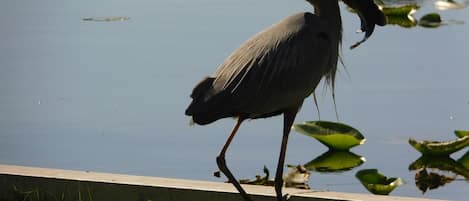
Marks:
<point>207,107</point>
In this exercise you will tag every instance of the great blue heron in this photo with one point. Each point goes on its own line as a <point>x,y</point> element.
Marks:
<point>274,71</point>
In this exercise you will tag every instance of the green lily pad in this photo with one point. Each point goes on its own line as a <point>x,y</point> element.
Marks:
<point>440,148</point>
<point>377,183</point>
<point>461,133</point>
<point>430,20</point>
<point>400,10</point>
<point>335,161</point>
<point>400,15</point>
<point>464,161</point>
<point>402,21</point>
<point>336,136</point>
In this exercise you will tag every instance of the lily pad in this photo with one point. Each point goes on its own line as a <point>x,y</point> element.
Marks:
<point>402,21</point>
<point>336,136</point>
<point>430,20</point>
<point>335,161</point>
<point>461,133</point>
<point>401,15</point>
<point>377,183</point>
<point>440,148</point>
<point>464,161</point>
<point>403,10</point>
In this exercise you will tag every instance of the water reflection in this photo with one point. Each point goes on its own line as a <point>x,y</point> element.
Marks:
<point>436,171</point>
<point>335,161</point>
<point>435,157</point>
<point>432,171</point>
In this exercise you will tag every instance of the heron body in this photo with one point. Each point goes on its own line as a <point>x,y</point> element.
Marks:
<point>272,73</point>
<point>274,70</point>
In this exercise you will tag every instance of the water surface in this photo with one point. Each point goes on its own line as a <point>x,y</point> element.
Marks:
<point>110,96</point>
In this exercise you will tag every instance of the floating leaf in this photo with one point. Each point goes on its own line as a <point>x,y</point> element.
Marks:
<point>335,161</point>
<point>377,183</point>
<point>461,133</point>
<point>105,19</point>
<point>403,21</point>
<point>336,136</point>
<point>430,20</point>
<point>439,148</point>
<point>404,10</point>
<point>401,15</point>
<point>464,161</point>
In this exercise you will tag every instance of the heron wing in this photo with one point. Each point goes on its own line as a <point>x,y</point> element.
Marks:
<point>278,67</point>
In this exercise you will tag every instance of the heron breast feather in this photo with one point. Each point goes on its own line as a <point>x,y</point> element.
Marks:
<point>278,67</point>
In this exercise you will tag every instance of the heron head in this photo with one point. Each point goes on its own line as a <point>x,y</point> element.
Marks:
<point>369,14</point>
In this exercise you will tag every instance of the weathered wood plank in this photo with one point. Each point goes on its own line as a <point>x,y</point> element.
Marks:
<point>18,182</point>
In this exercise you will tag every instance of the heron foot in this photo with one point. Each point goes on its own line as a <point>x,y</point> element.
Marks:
<point>285,197</point>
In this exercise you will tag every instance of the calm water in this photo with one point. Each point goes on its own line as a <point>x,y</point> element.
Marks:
<point>110,96</point>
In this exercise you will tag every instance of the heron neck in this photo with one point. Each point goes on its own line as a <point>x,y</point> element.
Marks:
<point>328,10</point>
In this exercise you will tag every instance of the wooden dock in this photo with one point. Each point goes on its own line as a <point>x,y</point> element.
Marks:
<point>32,183</point>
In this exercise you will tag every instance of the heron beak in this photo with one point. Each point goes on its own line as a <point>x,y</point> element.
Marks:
<point>369,14</point>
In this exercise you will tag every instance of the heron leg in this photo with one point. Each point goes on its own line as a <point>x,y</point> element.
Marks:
<point>288,118</point>
<point>221,162</point>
